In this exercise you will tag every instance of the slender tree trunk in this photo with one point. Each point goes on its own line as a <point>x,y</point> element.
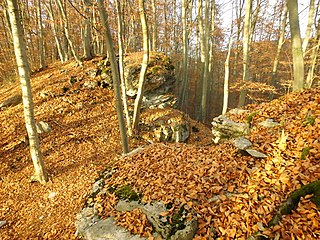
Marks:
<point>115,75</point>
<point>41,41</point>
<point>239,30</point>
<point>205,80</point>
<point>185,81</point>
<point>24,73</point>
<point>309,25</point>
<point>246,39</point>
<point>120,8</point>
<point>297,54</point>
<point>144,65</point>
<point>280,44</point>
<point>62,54</point>
<point>87,26</point>
<point>155,26</point>
<point>313,57</point>
<point>226,76</point>
<point>66,31</point>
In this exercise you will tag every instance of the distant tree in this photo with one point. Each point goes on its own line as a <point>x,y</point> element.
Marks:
<point>62,54</point>
<point>279,47</point>
<point>24,73</point>
<point>87,46</point>
<point>144,66</point>
<point>120,9</point>
<point>115,75</point>
<point>183,90</point>
<point>67,34</point>
<point>313,56</point>
<point>297,54</point>
<point>246,42</point>
<point>309,26</point>
<point>42,59</point>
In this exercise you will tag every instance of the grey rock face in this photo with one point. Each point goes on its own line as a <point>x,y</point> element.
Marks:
<point>242,143</point>
<point>256,153</point>
<point>108,230</point>
<point>173,132</point>
<point>225,128</point>
<point>188,232</point>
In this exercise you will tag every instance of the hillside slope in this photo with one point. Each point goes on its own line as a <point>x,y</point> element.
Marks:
<point>84,140</point>
<point>233,195</point>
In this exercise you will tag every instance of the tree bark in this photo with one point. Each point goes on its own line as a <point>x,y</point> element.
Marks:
<point>144,66</point>
<point>226,77</point>
<point>42,60</point>
<point>280,44</point>
<point>297,54</point>
<point>183,93</point>
<point>87,46</point>
<point>120,8</point>
<point>115,76</point>
<point>62,54</point>
<point>24,73</point>
<point>66,31</point>
<point>309,25</point>
<point>246,39</point>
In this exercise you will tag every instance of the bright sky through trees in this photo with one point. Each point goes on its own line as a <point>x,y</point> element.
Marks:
<point>226,13</point>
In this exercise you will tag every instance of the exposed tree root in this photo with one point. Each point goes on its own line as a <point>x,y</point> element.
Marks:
<point>291,204</point>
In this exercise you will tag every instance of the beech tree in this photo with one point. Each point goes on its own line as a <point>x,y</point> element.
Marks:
<point>24,73</point>
<point>115,76</point>
<point>246,39</point>
<point>144,66</point>
<point>296,44</point>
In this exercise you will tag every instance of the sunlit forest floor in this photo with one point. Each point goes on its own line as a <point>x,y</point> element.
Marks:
<point>85,140</point>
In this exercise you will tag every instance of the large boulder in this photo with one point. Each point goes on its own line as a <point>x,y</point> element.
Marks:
<point>225,128</point>
<point>165,125</point>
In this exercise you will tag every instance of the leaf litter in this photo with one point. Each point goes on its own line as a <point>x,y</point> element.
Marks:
<point>233,195</point>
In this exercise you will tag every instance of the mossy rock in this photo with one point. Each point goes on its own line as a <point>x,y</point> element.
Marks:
<point>125,192</point>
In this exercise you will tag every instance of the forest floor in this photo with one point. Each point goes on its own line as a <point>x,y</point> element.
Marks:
<point>85,140</point>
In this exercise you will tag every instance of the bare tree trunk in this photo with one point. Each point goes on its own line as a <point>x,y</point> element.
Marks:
<point>24,73</point>
<point>205,80</point>
<point>313,57</point>
<point>297,54</point>
<point>41,41</point>
<point>120,9</point>
<point>62,54</point>
<point>144,65</point>
<point>185,81</point>
<point>155,26</point>
<point>66,31</point>
<point>115,76</point>
<point>226,76</point>
<point>239,30</point>
<point>308,30</point>
<point>87,46</point>
<point>246,39</point>
<point>280,44</point>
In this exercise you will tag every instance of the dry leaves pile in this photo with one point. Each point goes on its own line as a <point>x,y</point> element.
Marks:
<point>233,195</point>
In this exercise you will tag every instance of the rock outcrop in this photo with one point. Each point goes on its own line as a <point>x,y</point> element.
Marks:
<point>160,79</point>
<point>91,227</point>
<point>165,125</point>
